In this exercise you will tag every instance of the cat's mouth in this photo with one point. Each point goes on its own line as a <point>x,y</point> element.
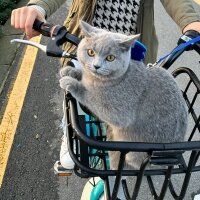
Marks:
<point>101,71</point>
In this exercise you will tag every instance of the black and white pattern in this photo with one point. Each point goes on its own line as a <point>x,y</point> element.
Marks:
<point>117,15</point>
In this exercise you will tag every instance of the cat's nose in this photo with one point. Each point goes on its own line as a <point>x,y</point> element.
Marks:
<point>96,66</point>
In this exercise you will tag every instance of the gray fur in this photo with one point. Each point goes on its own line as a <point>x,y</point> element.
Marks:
<point>137,103</point>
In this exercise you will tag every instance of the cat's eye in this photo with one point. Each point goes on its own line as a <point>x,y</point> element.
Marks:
<point>90,52</point>
<point>110,58</point>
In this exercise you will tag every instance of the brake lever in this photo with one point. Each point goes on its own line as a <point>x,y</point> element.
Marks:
<point>58,34</point>
<point>51,49</point>
<point>56,52</point>
<point>31,43</point>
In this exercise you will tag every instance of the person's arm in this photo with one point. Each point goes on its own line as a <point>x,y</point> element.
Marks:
<point>50,6</point>
<point>24,17</point>
<point>183,13</point>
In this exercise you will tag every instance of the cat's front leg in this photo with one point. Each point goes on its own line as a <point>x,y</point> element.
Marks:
<point>72,72</point>
<point>74,86</point>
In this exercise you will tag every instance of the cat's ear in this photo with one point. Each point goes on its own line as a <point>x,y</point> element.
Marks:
<point>87,29</point>
<point>128,41</point>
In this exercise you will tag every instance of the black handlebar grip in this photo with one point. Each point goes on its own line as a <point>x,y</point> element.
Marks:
<point>193,34</point>
<point>43,27</point>
<point>59,32</point>
<point>190,34</point>
<point>37,25</point>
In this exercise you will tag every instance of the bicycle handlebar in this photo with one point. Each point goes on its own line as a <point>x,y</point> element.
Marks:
<point>51,30</point>
<point>60,35</point>
<point>43,28</point>
<point>188,35</point>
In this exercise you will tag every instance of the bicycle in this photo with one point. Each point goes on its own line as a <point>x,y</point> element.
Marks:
<point>87,140</point>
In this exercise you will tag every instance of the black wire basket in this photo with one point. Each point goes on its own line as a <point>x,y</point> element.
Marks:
<point>88,149</point>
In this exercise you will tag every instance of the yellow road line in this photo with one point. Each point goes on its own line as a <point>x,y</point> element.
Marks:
<point>197,1</point>
<point>13,109</point>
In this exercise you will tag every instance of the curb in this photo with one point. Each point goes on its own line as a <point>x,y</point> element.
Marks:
<point>8,51</point>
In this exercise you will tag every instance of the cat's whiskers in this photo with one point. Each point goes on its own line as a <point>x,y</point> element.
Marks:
<point>103,71</point>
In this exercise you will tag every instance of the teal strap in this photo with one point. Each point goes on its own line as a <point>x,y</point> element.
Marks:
<point>97,191</point>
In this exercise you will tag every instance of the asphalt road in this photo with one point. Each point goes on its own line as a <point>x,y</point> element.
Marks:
<point>29,174</point>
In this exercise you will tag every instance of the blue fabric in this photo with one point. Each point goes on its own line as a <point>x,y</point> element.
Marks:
<point>138,51</point>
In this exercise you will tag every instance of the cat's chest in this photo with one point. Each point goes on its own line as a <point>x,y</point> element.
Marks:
<point>102,87</point>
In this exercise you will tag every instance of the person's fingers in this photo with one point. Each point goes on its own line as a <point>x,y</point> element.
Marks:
<point>13,18</point>
<point>22,18</point>
<point>35,33</point>
<point>16,17</point>
<point>29,23</point>
<point>192,26</point>
<point>31,16</point>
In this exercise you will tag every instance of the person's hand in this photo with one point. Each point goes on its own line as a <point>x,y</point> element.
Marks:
<point>24,17</point>
<point>192,26</point>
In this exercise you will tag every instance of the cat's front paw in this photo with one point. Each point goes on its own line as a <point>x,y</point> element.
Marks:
<point>67,83</point>
<point>71,71</point>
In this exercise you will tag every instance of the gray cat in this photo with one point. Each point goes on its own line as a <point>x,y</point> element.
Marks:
<point>137,103</point>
